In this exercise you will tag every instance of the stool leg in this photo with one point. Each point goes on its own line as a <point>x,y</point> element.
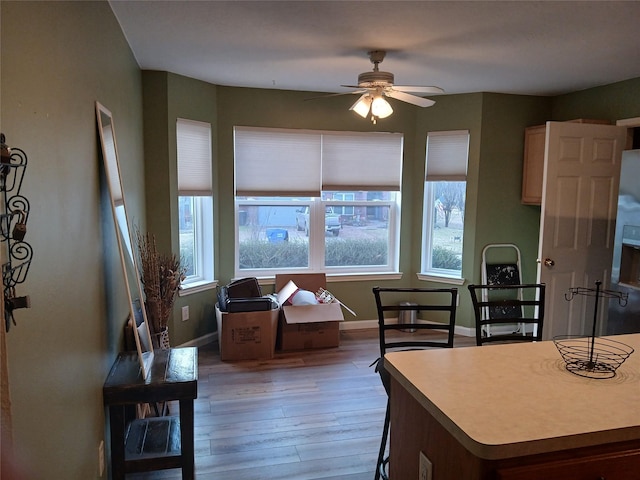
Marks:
<point>383,442</point>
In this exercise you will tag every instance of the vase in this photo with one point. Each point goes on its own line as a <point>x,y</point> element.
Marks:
<point>161,339</point>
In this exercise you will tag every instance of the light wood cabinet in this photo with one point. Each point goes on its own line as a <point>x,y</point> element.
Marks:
<point>533,167</point>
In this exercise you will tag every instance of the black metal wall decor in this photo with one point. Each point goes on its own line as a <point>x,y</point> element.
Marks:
<point>13,228</point>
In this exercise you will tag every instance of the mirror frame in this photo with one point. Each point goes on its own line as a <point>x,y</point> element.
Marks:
<point>133,287</point>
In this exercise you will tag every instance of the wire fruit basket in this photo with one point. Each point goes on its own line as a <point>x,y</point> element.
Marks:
<point>590,356</point>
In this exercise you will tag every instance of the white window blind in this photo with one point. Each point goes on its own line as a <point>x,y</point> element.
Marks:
<point>194,158</point>
<point>270,161</point>
<point>362,161</point>
<point>447,155</point>
<point>280,162</point>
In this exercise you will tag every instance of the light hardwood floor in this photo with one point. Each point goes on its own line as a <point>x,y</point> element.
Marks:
<point>310,415</point>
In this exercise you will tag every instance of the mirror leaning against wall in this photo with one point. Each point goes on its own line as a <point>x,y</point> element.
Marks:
<point>131,276</point>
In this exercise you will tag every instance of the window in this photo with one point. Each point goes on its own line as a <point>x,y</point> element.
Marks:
<point>195,201</point>
<point>316,201</point>
<point>344,210</point>
<point>444,203</point>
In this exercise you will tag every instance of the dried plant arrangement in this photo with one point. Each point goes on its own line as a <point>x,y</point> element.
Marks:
<point>161,276</point>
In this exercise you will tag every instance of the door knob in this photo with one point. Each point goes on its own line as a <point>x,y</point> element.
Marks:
<point>549,263</point>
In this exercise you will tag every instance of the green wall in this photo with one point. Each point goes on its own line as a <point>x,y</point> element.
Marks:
<point>494,213</point>
<point>501,218</point>
<point>168,97</point>
<point>451,112</point>
<point>58,58</point>
<point>495,161</point>
<point>610,102</point>
<point>286,109</point>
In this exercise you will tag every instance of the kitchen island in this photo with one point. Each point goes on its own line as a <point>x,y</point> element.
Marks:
<point>512,412</point>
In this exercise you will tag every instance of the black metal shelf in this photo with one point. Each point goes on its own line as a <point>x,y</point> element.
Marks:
<point>13,228</point>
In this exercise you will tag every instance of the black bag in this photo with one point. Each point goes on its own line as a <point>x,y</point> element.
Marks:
<point>243,295</point>
<point>244,288</point>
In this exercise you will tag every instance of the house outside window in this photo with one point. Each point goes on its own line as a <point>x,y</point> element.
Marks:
<point>195,201</point>
<point>293,212</point>
<point>444,203</point>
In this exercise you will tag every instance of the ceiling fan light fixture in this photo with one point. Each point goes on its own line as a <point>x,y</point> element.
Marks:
<point>362,106</point>
<point>380,108</point>
<point>374,86</point>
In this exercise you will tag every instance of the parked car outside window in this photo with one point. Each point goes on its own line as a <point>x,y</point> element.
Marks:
<point>331,221</point>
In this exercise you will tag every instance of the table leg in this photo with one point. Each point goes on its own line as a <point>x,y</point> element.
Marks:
<point>186,439</point>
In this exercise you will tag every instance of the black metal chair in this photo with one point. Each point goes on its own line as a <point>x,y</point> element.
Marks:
<point>503,308</point>
<point>409,319</point>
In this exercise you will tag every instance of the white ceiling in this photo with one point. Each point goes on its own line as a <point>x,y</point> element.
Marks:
<point>520,47</point>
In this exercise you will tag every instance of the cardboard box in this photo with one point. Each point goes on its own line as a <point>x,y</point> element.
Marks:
<point>308,326</point>
<point>247,335</point>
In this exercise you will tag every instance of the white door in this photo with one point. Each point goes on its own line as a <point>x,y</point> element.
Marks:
<point>577,221</point>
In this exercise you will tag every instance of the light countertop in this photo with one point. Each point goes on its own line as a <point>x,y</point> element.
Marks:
<point>503,401</point>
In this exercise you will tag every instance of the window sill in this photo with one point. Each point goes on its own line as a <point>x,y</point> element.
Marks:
<point>346,277</point>
<point>354,277</point>
<point>441,279</point>
<point>197,287</point>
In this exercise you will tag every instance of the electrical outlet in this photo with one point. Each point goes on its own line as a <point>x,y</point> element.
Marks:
<point>425,471</point>
<point>185,313</point>
<point>101,457</point>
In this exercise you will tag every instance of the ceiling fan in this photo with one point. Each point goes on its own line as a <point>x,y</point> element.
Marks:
<point>374,86</point>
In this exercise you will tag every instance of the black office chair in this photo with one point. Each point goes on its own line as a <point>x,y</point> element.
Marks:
<point>503,308</point>
<point>409,319</point>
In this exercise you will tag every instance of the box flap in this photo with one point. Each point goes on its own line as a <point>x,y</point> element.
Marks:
<point>304,281</point>
<point>329,312</point>
<point>285,292</point>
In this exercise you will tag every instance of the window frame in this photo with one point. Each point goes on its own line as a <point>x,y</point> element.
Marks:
<point>195,185</point>
<point>317,236</point>
<point>265,169</point>
<point>426,271</point>
<point>203,236</point>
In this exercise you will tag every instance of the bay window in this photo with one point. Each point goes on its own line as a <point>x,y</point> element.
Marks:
<point>316,201</point>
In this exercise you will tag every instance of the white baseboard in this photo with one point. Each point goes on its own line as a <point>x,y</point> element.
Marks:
<point>202,341</point>
<point>359,325</point>
<point>465,331</point>
<point>362,324</point>
<point>354,325</point>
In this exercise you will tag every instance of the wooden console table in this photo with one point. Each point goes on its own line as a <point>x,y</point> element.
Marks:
<point>159,442</point>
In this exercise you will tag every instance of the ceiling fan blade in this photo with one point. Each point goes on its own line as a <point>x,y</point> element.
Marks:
<point>418,89</point>
<point>357,87</point>
<point>336,94</point>
<point>412,99</point>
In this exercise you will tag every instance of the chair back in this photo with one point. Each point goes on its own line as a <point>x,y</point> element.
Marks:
<point>414,318</point>
<point>408,319</point>
<point>499,309</point>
